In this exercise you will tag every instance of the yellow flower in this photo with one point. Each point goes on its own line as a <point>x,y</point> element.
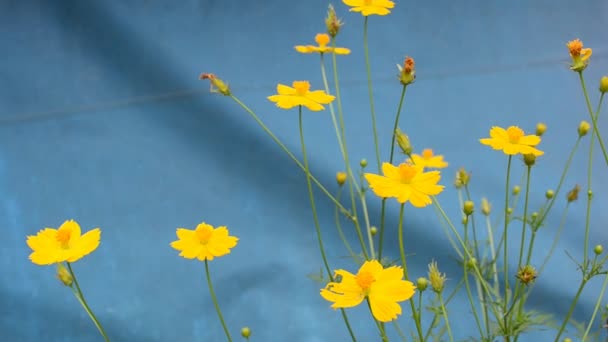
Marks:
<point>300,95</point>
<point>579,55</point>
<point>51,245</point>
<point>384,288</point>
<point>429,160</point>
<point>204,242</point>
<point>512,141</point>
<point>322,40</point>
<point>406,182</point>
<point>368,7</point>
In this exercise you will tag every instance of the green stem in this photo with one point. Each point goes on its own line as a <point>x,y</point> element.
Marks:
<point>525,219</point>
<point>466,282</point>
<point>370,91</point>
<point>405,272</point>
<point>593,118</point>
<point>217,306</point>
<point>445,316</point>
<point>383,209</point>
<point>340,231</point>
<point>78,294</point>
<point>292,156</point>
<point>493,256</point>
<point>571,310</point>
<point>315,217</point>
<point>505,240</point>
<point>342,144</point>
<point>597,307</point>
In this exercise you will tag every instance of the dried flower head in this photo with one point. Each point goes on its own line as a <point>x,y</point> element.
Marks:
<point>217,85</point>
<point>526,274</point>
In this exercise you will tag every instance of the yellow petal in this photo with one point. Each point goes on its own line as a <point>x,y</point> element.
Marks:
<point>530,140</point>
<point>371,266</point>
<point>383,186</point>
<point>285,90</point>
<point>384,310</point>
<point>341,51</point>
<point>87,242</point>
<point>391,171</point>
<point>320,96</point>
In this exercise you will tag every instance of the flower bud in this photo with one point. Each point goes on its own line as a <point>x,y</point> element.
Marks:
<point>583,128</point>
<point>217,85</point>
<point>468,207</point>
<point>245,332</point>
<point>403,141</point>
<point>529,159</point>
<point>462,178</point>
<point>598,250</point>
<point>604,84</point>
<point>436,278</point>
<point>526,274</point>
<point>373,230</point>
<point>509,211</point>
<point>332,22</point>
<point>341,178</point>
<point>64,275</point>
<point>471,263</point>
<point>573,194</point>
<point>516,190</point>
<point>534,216</point>
<point>363,163</point>
<point>549,194</point>
<point>567,339</point>
<point>407,73</point>
<point>541,128</point>
<point>422,283</point>
<point>485,207</point>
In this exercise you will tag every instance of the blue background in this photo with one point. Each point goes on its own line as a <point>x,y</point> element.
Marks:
<point>103,120</point>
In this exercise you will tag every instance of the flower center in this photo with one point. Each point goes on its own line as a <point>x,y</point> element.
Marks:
<point>367,2</point>
<point>322,39</point>
<point>407,173</point>
<point>365,279</point>
<point>427,154</point>
<point>63,237</point>
<point>514,133</point>
<point>204,234</point>
<point>301,87</point>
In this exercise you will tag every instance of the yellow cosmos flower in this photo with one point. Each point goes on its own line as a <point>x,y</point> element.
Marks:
<point>300,95</point>
<point>66,243</point>
<point>384,288</point>
<point>579,55</point>
<point>512,141</point>
<point>368,7</point>
<point>406,182</point>
<point>429,160</point>
<point>322,40</point>
<point>204,242</point>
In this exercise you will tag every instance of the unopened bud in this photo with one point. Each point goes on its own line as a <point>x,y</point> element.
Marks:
<point>516,190</point>
<point>363,163</point>
<point>541,128</point>
<point>341,178</point>
<point>583,128</point>
<point>549,194</point>
<point>462,178</point>
<point>529,159</point>
<point>471,262</point>
<point>403,141</point>
<point>573,194</point>
<point>604,84</point>
<point>245,332</point>
<point>485,206</point>
<point>373,230</point>
<point>422,283</point>
<point>64,275</point>
<point>598,250</point>
<point>468,207</point>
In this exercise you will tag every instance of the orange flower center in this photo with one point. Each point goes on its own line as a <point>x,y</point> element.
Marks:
<point>365,279</point>
<point>63,237</point>
<point>575,47</point>
<point>322,39</point>
<point>407,173</point>
<point>427,154</point>
<point>408,65</point>
<point>514,133</point>
<point>204,234</point>
<point>367,2</point>
<point>301,87</point>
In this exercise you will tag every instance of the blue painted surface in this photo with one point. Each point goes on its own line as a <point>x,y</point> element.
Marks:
<point>103,120</point>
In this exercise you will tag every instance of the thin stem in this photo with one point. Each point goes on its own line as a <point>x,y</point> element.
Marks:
<point>370,91</point>
<point>390,160</point>
<point>467,285</point>
<point>493,256</point>
<point>505,249</point>
<point>315,217</point>
<point>340,231</point>
<point>217,306</point>
<point>368,229</point>
<point>405,272</point>
<point>597,307</point>
<point>571,310</point>
<point>292,156</point>
<point>591,114</point>
<point>445,316</point>
<point>525,219</point>
<point>78,294</point>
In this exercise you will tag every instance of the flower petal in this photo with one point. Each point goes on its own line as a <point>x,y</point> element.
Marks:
<point>383,309</point>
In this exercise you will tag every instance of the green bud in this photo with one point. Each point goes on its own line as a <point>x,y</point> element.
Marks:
<point>604,84</point>
<point>549,194</point>
<point>529,159</point>
<point>422,283</point>
<point>598,250</point>
<point>583,128</point>
<point>516,190</point>
<point>403,141</point>
<point>468,207</point>
<point>363,163</point>
<point>373,230</point>
<point>245,332</point>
